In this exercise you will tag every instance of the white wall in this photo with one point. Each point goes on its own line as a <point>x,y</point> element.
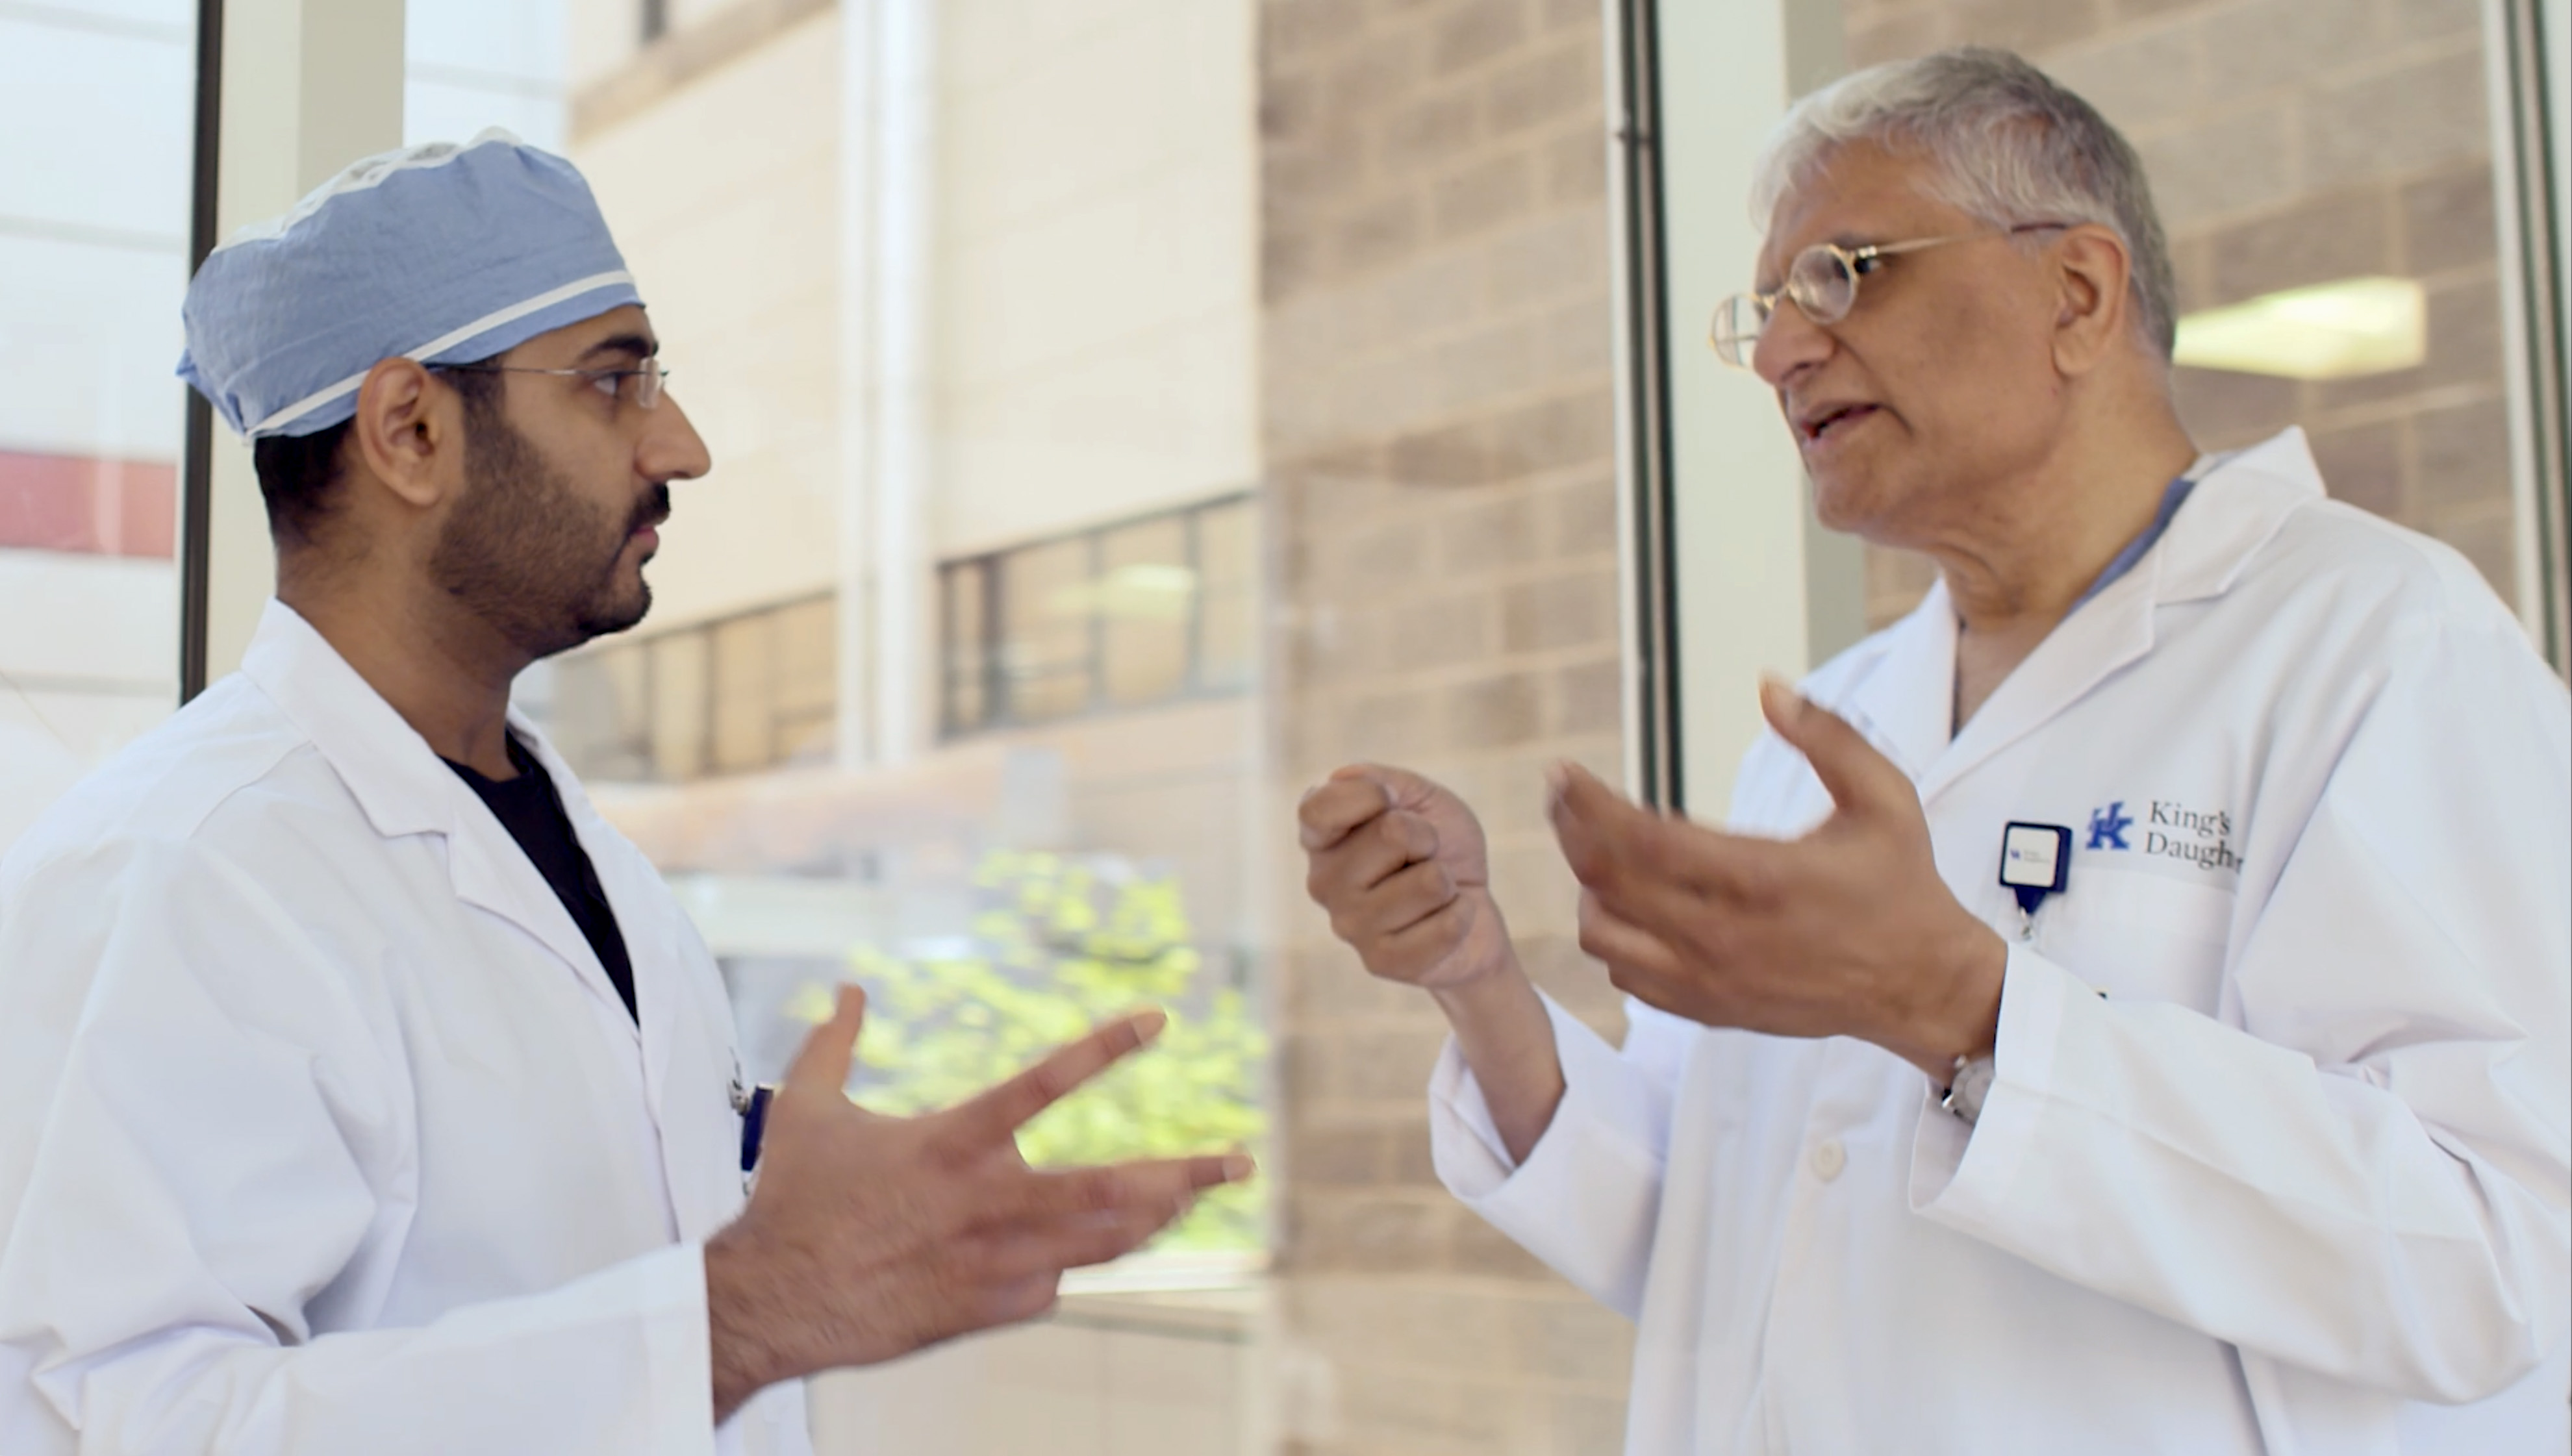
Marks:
<point>472,64</point>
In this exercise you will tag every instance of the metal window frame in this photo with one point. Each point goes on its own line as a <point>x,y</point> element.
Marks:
<point>644,745</point>
<point>197,458</point>
<point>1653,742</point>
<point>998,697</point>
<point>314,83</point>
<point>2526,178</point>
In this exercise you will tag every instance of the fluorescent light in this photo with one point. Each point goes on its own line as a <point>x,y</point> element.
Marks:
<point>1150,591</point>
<point>2332,330</point>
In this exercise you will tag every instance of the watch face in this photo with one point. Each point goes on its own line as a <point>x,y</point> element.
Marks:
<point>1964,1098</point>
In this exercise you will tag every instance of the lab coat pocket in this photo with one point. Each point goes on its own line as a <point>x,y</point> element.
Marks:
<point>2141,936</point>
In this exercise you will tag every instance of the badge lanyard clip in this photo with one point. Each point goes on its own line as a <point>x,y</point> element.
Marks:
<point>2036,861</point>
<point>751,1103</point>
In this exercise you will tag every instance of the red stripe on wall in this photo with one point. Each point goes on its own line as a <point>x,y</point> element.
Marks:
<point>94,506</point>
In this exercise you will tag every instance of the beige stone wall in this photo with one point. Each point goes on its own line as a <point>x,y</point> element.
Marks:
<point>1437,424</point>
<point>2293,142</point>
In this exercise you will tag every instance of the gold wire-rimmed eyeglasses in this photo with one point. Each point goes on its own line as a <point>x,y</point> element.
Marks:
<point>1822,284</point>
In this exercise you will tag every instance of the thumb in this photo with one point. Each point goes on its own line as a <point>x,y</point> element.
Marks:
<point>821,1068</point>
<point>1860,779</point>
<point>1402,788</point>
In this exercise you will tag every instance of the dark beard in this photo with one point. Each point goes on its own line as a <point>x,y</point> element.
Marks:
<point>526,554</point>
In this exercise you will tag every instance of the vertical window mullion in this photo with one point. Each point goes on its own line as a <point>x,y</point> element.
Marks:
<point>1193,677</point>
<point>1098,544</point>
<point>999,702</point>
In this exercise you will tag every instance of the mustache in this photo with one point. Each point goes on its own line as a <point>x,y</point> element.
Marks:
<point>651,510</point>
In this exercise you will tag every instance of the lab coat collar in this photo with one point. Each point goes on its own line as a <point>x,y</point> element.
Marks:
<point>1905,705</point>
<point>404,789</point>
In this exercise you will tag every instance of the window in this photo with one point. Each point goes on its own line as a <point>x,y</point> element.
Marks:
<point>94,216</point>
<point>1145,611</point>
<point>735,695</point>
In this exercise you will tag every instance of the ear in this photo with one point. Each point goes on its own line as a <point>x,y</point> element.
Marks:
<point>2090,322</point>
<point>408,432</point>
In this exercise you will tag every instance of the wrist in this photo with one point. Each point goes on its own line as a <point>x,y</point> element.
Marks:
<point>1963,1018</point>
<point>1497,979</point>
<point>747,1319</point>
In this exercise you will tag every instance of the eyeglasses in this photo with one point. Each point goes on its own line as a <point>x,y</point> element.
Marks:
<point>644,393</point>
<point>1822,284</point>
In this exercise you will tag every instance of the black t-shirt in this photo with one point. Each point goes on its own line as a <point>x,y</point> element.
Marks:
<point>532,812</point>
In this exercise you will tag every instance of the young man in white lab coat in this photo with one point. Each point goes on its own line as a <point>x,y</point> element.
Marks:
<point>362,1091</point>
<point>2128,1010</point>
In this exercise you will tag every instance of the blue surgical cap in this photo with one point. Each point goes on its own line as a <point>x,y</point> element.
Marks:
<point>439,253</point>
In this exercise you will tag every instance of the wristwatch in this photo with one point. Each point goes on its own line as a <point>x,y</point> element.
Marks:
<point>1966,1089</point>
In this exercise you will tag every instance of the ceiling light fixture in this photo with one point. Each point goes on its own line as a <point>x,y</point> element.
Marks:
<point>2332,330</point>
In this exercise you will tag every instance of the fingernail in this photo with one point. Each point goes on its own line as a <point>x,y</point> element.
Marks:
<point>1237,1166</point>
<point>1780,700</point>
<point>1147,1024</point>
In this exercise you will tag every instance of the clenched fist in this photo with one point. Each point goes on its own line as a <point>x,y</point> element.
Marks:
<point>1399,863</point>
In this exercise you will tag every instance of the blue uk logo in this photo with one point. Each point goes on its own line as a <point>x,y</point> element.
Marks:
<point>2108,827</point>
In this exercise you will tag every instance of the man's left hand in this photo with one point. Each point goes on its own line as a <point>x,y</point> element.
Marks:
<point>1847,932</point>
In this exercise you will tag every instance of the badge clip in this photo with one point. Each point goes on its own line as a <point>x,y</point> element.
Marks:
<point>2036,861</point>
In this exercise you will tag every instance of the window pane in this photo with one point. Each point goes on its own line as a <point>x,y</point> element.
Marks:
<point>1046,641</point>
<point>682,704</point>
<point>803,649</point>
<point>2394,368</point>
<point>1145,595</point>
<point>1040,820</point>
<point>966,668</point>
<point>96,101</point>
<point>600,716</point>
<point>743,706</point>
<point>1228,560</point>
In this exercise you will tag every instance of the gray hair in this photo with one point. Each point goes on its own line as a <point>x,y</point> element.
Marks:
<point>2006,144</point>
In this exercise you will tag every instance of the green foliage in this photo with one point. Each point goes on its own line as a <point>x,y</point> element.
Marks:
<point>1060,944</point>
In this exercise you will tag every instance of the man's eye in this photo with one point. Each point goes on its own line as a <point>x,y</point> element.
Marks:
<point>1864,266</point>
<point>606,384</point>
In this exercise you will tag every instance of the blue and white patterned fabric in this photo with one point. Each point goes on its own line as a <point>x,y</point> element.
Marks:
<point>439,253</point>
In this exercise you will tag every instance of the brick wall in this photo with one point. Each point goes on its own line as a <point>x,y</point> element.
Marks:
<point>1438,433</point>
<point>2293,142</point>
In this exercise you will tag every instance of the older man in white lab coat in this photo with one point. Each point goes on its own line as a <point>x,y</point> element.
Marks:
<point>355,1100</point>
<point>2128,1010</point>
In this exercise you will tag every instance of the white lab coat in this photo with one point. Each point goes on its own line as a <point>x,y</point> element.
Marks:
<point>321,1128</point>
<point>2297,1184</point>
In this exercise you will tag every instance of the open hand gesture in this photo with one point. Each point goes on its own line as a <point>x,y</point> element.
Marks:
<point>868,1237</point>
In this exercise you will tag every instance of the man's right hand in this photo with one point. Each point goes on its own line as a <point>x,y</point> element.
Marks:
<point>870,1236</point>
<point>1400,864</point>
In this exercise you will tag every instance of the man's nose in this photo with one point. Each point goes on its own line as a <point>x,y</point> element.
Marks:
<point>671,449</point>
<point>1789,344</point>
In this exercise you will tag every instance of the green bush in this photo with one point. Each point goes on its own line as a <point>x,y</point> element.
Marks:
<point>1059,944</point>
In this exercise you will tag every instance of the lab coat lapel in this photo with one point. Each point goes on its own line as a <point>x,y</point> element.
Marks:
<point>682,1086</point>
<point>2233,511</point>
<point>1901,705</point>
<point>404,789</point>
<point>642,906</point>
